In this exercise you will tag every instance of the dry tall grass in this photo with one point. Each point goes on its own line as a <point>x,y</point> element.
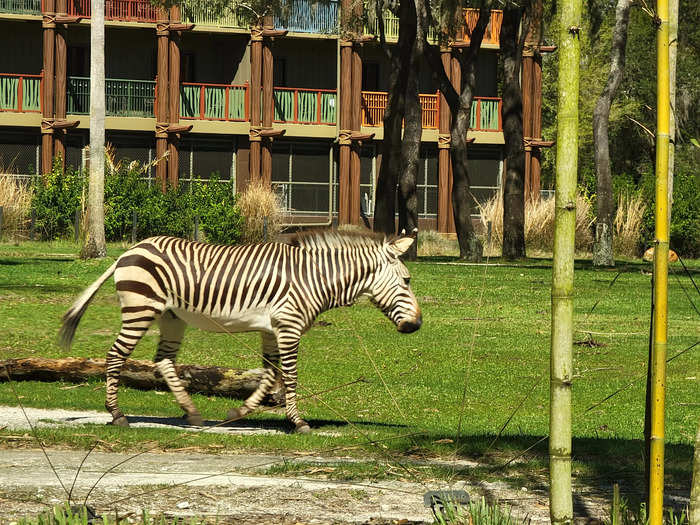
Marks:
<point>539,224</point>
<point>627,225</point>
<point>431,243</point>
<point>16,200</point>
<point>261,209</point>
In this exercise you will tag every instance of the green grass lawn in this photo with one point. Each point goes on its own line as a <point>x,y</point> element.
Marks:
<point>485,338</point>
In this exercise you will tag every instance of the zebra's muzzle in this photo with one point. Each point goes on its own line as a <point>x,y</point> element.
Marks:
<point>407,327</point>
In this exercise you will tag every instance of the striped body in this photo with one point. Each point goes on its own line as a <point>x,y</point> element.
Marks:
<point>276,289</point>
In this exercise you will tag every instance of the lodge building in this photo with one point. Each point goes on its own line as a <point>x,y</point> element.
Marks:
<point>181,80</point>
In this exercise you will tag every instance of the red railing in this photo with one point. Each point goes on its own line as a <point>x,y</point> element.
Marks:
<point>493,30</point>
<point>20,93</point>
<point>486,113</point>
<point>124,10</point>
<point>304,106</point>
<point>201,101</point>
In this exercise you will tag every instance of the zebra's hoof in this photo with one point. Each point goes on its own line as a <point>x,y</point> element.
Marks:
<point>195,420</point>
<point>303,428</point>
<point>120,421</point>
<point>234,414</point>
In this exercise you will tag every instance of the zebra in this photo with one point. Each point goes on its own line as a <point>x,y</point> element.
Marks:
<point>277,289</point>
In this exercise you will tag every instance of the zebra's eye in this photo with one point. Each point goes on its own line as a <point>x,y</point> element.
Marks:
<point>407,280</point>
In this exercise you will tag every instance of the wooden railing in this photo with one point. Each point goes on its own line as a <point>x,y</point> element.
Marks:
<point>305,106</point>
<point>123,98</point>
<point>20,93</point>
<point>21,7</point>
<point>124,10</point>
<point>200,13</point>
<point>305,16</point>
<point>214,101</point>
<point>485,113</point>
<point>471,16</point>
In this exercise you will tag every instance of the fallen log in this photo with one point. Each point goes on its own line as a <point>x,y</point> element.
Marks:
<point>209,380</point>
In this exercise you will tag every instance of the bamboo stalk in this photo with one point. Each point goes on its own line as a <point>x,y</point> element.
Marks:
<point>561,360</point>
<point>658,371</point>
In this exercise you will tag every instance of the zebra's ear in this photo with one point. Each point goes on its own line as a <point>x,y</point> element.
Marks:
<point>400,246</point>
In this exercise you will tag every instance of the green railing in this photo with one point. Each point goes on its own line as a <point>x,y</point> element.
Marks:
<point>123,98</point>
<point>199,12</point>
<point>486,114</point>
<point>20,93</point>
<point>213,101</point>
<point>305,106</point>
<point>21,7</point>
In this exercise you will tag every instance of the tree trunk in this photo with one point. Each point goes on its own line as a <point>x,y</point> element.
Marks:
<point>413,129</point>
<point>95,241</point>
<point>603,247</point>
<point>144,375</point>
<point>561,357</point>
<point>514,182</point>
<point>470,247</point>
<point>694,515</point>
<point>400,59</point>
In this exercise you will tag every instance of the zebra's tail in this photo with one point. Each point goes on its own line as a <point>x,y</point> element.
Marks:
<point>76,311</point>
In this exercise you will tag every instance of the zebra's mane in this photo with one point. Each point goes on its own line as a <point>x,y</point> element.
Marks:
<point>336,240</point>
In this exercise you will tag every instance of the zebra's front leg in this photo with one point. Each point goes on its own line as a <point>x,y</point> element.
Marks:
<point>288,343</point>
<point>172,329</point>
<point>271,370</point>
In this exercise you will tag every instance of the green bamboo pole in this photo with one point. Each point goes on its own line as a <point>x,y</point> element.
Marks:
<point>658,358</point>
<point>561,361</point>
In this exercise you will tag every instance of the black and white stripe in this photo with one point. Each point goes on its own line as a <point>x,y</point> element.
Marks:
<point>276,289</point>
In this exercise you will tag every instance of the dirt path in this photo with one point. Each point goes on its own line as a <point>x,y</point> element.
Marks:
<point>232,488</point>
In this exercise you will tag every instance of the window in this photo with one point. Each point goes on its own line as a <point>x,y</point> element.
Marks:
<point>279,72</point>
<point>78,61</point>
<point>370,76</point>
<point>300,174</point>
<point>427,183</point>
<point>187,67</point>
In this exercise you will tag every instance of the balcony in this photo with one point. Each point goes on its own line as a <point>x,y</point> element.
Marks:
<point>471,16</point>
<point>305,106</point>
<point>485,113</point>
<point>21,7</point>
<point>122,10</point>
<point>214,101</point>
<point>20,93</point>
<point>123,98</point>
<point>199,13</point>
<point>305,16</point>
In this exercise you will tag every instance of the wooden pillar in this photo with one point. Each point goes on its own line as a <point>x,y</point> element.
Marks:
<point>535,163</point>
<point>268,102</point>
<point>47,110</point>
<point>444,197</point>
<point>526,88</point>
<point>256,41</point>
<point>344,134</point>
<point>355,125</point>
<point>61,73</point>
<point>174,97</point>
<point>162,34</point>
<point>456,78</point>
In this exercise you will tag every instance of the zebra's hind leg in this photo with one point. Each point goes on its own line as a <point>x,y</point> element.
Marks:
<point>271,357</point>
<point>135,323</point>
<point>172,329</point>
<point>288,342</point>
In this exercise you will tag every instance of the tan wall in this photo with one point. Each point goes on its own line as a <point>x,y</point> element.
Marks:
<point>309,63</point>
<point>21,45</point>
<point>218,58</point>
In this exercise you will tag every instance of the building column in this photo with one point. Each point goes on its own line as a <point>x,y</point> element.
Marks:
<point>345,133</point>
<point>173,97</point>
<point>526,88</point>
<point>61,73</point>
<point>355,195</point>
<point>535,163</point>
<point>456,79</point>
<point>47,110</point>
<point>162,106</point>
<point>444,195</point>
<point>268,71</point>
<point>256,41</point>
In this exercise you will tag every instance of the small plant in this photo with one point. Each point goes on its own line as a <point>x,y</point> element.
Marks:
<point>476,513</point>
<point>627,225</point>
<point>262,213</point>
<point>630,515</point>
<point>15,199</point>
<point>66,515</point>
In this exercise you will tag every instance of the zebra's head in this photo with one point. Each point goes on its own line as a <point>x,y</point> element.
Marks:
<point>390,289</point>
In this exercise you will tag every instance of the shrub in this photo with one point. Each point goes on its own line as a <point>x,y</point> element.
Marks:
<point>261,208</point>
<point>56,197</point>
<point>627,225</point>
<point>220,217</point>
<point>15,200</point>
<point>539,223</point>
